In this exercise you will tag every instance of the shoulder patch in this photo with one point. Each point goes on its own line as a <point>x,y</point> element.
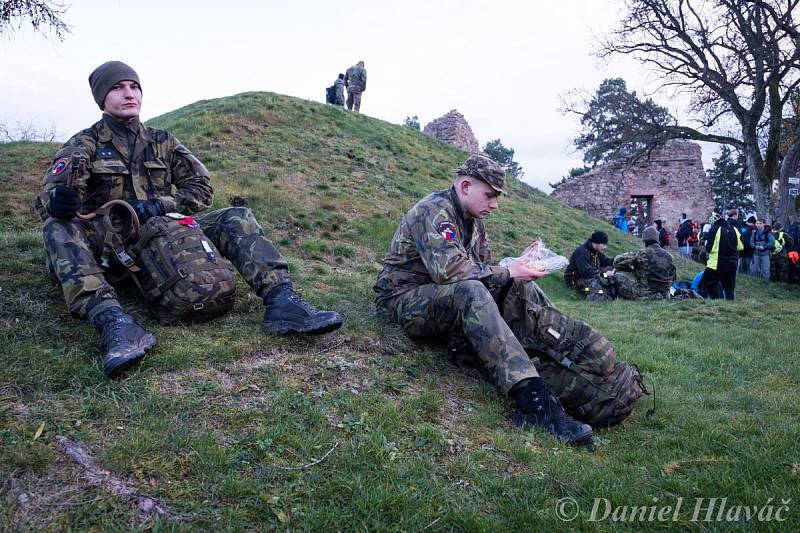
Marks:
<point>59,166</point>
<point>447,230</point>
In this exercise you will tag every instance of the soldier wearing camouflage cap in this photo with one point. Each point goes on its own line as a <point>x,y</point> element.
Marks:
<point>485,169</point>
<point>118,158</point>
<point>438,280</point>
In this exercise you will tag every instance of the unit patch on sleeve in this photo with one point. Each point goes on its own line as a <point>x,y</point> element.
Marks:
<point>447,230</point>
<point>59,166</point>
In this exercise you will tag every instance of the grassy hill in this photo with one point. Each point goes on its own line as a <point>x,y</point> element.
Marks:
<point>364,429</point>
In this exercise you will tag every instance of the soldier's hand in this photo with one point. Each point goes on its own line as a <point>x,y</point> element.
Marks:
<point>520,270</point>
<point>146,209</point>
<point>64,202</point>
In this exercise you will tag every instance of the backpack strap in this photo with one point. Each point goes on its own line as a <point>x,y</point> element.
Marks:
<point>114,241</point>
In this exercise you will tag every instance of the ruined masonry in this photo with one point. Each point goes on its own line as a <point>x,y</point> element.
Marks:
<point>672,181</point>
<point>453,129</point>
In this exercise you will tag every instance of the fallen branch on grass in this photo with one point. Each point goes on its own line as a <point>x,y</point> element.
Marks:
<point>313,463</point>
<point>96,476</point>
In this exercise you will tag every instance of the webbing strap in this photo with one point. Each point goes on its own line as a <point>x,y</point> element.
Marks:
<point>176,277</point>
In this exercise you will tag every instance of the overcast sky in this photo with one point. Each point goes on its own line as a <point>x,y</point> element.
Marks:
<point>503,64</point>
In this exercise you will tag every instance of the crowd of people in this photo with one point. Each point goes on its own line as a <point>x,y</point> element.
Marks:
<point>768,251</point>
<point>726,244</point>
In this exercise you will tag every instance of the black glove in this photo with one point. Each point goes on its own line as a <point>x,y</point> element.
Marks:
<point>64,202</point>
<point>146,209</point>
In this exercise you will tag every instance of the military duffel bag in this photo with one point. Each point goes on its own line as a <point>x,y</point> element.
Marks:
<point>180,272</point>
<point>580,365</point>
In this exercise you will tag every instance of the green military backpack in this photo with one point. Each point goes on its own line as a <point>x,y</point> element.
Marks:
<point>580,365</point>
<point>176,267</point>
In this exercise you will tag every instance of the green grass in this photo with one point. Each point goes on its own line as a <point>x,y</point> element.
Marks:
<point>215,418</point>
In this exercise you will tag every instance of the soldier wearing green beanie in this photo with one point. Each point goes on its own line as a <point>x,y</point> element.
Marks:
<point>119,158</point>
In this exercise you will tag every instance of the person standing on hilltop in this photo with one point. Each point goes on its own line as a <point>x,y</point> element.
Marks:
<point>119,158</point>
<point>438,281</point>
<point>356,80</point>
<point>338,91</point>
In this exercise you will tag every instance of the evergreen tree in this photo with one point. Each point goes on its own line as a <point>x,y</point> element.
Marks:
<point>505,157</point>
<point>618,125</point>
<point>730,183</point>
<point>411,123</point>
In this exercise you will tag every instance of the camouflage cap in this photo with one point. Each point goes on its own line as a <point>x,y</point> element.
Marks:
<point>485,169</point>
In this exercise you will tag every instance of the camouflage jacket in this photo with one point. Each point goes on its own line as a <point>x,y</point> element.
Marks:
<point>338,87</point>
<point>651,266</point>
<point>356,78</point>
<point>436,243</point>
<point>98,163</point>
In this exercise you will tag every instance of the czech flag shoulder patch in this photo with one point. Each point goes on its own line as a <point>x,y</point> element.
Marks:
<point>447,230</point>
<point>59,166</point>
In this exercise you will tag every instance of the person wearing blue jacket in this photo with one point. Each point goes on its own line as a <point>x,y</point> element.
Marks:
<point>763,242</point>
<point>620,222</point>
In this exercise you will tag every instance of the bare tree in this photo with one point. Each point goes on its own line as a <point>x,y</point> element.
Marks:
<point>737,59</point>
<point>27,132</point>
<point>41,14</point>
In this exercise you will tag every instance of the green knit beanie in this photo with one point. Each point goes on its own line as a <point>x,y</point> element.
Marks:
<point>106,75</point>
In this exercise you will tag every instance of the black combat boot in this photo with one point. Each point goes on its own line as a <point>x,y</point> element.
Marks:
<point>126,341</point>
<point>538,406</point>
<point>287,312</point>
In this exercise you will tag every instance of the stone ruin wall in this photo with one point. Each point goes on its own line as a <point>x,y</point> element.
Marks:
<point>453,129</point>
<point>673,175</point>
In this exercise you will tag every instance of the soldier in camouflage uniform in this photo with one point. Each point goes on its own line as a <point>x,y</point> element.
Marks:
<point>356,80</point>
<point>118,158</point>
<point>438,281</point>
<point>652,268</point>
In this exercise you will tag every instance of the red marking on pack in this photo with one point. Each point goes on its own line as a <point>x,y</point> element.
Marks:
<point>188,221</point>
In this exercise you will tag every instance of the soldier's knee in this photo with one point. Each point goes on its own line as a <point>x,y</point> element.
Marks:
<point>57,231</point>
<point>474,291</point>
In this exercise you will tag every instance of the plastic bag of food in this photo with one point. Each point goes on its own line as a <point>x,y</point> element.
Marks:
<point>539,257</point>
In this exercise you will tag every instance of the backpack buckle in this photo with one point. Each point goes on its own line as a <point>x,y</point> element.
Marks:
<point>566,362</point>
<point>182,273</point>
<point>124,258</point>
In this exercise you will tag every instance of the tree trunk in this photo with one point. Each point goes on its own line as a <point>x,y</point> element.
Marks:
<point>790,168</point>
<point>762,189</point>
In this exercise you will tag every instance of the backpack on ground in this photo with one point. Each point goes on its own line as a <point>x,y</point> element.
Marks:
<point>581,367</point>
<point>176,267</point>
<point>330,95</point>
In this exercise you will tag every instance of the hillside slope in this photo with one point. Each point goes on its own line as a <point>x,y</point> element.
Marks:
<point>234,429</point>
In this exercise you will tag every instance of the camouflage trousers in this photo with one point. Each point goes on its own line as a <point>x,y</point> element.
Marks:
<point>74,248</point>
<point>630,289</point>
<point>779,267</point>
<point>499,322</point>
<point>600,289</point>
<point>354,100</point>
